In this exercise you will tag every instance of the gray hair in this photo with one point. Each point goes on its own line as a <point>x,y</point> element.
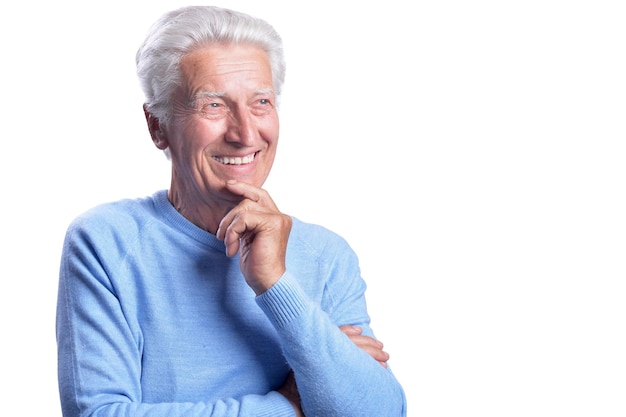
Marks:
<point>183,30</point>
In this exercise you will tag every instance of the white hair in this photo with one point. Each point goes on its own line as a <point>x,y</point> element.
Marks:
<point>183,30</point>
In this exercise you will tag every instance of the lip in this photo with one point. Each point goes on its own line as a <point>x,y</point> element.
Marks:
<point>235,160</point>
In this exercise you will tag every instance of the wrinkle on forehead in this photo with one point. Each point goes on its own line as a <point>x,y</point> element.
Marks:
<point>225,59</point>
<point>213,68</point>
<point>222,94</point>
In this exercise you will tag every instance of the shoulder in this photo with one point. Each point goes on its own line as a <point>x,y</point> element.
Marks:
<point>107,220</point>
<point>317,239</point>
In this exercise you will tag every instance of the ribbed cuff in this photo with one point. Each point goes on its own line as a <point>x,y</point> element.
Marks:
<point>284,301</point>
<point>274,405</point>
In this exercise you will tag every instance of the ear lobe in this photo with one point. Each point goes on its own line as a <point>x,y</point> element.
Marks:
<point>156,133</point>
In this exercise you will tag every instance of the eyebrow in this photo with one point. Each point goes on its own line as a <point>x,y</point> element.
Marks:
<point>263,91</point>
<point>221,94</point>
<point>208,94</point>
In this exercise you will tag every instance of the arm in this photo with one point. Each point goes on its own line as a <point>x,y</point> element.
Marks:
<point>335,376</point>
<point>101,348</point>
<point>370,345</point>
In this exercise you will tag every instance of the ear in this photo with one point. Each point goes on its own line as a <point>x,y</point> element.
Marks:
<point>156,133</point>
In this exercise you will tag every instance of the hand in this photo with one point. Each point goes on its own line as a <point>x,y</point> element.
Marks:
<point>290,391</point>
<point>259,232</point>
<point>370,345</point>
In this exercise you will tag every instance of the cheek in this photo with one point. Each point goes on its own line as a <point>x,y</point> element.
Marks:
<point>270,129</point>
<point>200,133</point>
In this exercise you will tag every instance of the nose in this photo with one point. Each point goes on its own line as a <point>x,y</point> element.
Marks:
<point>241,128</point>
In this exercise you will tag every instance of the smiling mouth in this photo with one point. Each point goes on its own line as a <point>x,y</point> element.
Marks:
<point>235,160</point>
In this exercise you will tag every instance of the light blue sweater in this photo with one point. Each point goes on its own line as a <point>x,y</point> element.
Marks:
<point>154,320</point>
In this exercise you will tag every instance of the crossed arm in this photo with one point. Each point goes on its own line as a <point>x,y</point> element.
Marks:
<point>370,345</point>
<point>259,232</point>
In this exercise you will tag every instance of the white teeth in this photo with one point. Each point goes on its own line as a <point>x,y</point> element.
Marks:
<point>235,161</point>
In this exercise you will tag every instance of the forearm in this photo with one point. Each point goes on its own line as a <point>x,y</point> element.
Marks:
<point>334,376</point>
<point>271,404</point>
<point>106,367</point>
<point>89,381</point>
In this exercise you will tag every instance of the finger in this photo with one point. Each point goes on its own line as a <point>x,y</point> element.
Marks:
<point>234,214</point>
<point>350,330</point>
<point>245,224</point>
<point>369,345</point>
<point>251,192</point>
<point>254,199</point>
<point>366,341</point>
<point>377,353</point>
<point>233,231</point>
<point>228,220</point>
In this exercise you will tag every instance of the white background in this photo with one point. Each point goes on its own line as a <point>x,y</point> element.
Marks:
<point>472,153</point>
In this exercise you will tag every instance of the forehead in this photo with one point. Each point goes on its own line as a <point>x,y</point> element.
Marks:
<point>221,63</point>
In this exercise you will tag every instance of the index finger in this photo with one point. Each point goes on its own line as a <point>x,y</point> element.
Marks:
<point>245,190</point>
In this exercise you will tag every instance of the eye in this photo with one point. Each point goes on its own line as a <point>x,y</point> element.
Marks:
<point>210,106</point>
<point>211,109</point>
<point>262,106</point>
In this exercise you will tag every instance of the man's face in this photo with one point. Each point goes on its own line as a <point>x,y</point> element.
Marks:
<point>225,121</point>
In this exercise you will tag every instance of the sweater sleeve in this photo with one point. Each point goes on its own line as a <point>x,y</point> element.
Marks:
<point>99,354</point>
<point>334,376</point>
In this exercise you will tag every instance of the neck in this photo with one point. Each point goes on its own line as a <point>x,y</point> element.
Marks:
<point>206,213</point>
